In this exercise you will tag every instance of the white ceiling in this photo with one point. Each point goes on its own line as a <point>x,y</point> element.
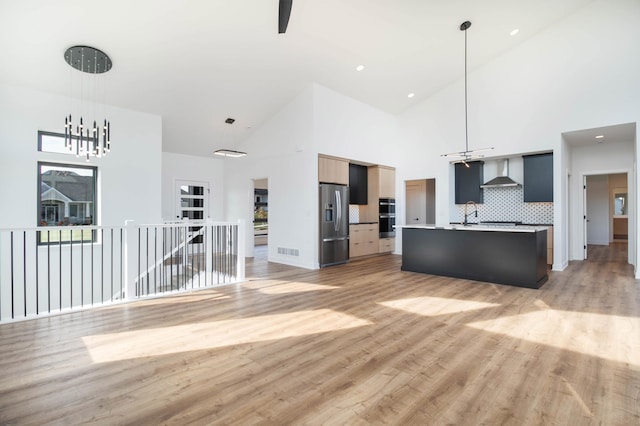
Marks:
<point>610,134</point>
<point>197,62</point>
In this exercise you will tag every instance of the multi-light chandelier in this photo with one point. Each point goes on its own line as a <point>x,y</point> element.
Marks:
<point>467,154</point>
<point>86,139</point>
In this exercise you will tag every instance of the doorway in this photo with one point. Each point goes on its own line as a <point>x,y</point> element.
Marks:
<point>605,211</point>
<point>260,217</point>
<point>192,205</point>
<point>420,201</point>
<point>595,151</point>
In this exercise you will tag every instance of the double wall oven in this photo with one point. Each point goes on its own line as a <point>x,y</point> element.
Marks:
<point>387,217</point>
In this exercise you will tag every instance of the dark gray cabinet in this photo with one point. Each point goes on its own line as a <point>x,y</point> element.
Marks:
<point>538,178</point>
<point>358,184</point>
<point>468,181</point>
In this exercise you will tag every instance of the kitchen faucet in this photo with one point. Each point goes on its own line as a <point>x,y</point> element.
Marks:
<point>466,215</point>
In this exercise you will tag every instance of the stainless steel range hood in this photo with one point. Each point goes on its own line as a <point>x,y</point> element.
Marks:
<point>503,180</point>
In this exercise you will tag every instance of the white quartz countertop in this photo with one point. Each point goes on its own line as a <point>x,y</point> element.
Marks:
<point>479,227</point>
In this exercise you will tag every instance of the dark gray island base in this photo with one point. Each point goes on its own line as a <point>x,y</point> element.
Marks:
<point>503,256</point>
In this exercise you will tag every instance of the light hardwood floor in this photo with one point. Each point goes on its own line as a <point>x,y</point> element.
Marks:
<point>362,343</point>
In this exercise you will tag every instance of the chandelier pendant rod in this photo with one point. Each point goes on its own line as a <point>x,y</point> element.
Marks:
<point>466,155</point>
<point>466,120</point>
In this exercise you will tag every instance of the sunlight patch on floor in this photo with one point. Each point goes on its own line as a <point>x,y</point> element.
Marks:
<point>173,298</point>
<point>215,334</point>
<point>610,337</point>
<point>286,287</point>
<point>432,306</point>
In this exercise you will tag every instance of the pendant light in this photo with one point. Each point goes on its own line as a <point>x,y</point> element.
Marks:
<point>229,152</point>
<point>466,155</point>
<point>81,137</point>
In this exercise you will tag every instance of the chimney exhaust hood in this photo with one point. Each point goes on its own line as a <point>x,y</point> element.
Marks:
<point>503,180</point>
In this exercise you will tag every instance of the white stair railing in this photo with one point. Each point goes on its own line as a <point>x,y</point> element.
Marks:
<point>48,270</point>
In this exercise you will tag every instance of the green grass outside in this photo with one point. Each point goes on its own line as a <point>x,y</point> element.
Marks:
<point>76,235</point>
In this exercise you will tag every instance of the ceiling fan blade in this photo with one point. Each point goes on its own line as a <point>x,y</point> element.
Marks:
<point>283,15</point>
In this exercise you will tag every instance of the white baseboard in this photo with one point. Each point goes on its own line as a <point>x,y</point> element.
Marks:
<point>561,267</point>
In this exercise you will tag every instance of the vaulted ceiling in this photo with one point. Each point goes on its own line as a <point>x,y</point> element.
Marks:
<point>197,62</point>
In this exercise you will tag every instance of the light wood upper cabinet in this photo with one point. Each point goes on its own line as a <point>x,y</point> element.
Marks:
<point>333,170</point>
<point>387,181</point>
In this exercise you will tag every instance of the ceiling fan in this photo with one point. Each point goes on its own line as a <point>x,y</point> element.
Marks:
<point>283,15</point>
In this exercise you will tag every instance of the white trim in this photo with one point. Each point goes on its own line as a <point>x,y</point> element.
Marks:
<point>633,207</point>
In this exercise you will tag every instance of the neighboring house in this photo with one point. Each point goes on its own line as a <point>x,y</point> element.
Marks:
<point>65,199</point>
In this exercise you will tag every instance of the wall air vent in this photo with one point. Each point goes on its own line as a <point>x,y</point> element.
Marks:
<point>288,251</point>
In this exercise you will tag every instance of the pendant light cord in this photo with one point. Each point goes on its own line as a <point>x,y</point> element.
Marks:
<point>466,121</point>
<point>466,155</point>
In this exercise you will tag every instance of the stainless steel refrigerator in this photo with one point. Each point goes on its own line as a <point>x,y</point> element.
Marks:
<point>334,224</point>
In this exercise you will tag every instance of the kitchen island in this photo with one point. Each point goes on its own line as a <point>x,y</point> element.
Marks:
<point>513,255</point>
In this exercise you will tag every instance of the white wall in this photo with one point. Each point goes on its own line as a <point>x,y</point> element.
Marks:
<point>562,211</point>
<point>598,209</point>
<point>128,178</point>
<point>281,151</point>
<point>200,169</point>
<point>345,127</point>
<point>565,78</point>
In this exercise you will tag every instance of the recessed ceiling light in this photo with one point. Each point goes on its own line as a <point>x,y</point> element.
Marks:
<point>514,32</point>
<point>599,136</point>
<point>411,95</point>
<point>359,67</point>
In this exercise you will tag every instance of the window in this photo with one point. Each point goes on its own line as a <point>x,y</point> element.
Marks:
<point>55,142</point>
<point>66,197</point>
<point>620,202</point>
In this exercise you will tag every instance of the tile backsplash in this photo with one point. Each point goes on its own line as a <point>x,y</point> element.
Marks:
<point>354,213</point>
<point>507,205</point>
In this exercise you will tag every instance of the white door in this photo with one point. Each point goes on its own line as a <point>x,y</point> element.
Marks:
<point>584,217</point>
<point>192,204</point>
<point>416,209</point>
<point>192,200</point>
<point>597,212</point>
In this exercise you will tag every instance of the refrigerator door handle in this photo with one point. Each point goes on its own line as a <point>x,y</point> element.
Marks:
<point>335,239</point>
<point>339,211</point>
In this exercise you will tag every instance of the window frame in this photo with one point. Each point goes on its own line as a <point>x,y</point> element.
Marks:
<point>61,136</point>
<point>40,204</point>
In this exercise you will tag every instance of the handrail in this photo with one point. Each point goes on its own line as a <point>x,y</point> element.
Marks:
<point>98,227</point>
<point>62,228</point>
